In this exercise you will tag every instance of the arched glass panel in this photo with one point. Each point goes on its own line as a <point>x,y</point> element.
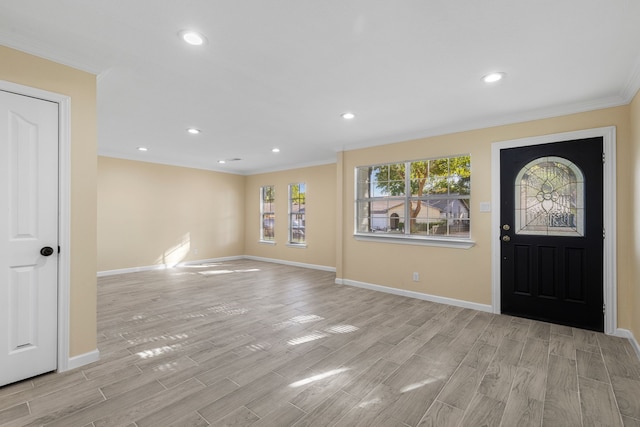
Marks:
<point>549,198</point>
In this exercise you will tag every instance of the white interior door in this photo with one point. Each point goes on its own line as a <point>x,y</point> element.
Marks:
<point>28,226</point>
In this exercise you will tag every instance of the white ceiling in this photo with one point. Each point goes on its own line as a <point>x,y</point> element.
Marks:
<point>279,73</point>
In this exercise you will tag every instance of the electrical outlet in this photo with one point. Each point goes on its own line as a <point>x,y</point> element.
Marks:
<point>416,276</point>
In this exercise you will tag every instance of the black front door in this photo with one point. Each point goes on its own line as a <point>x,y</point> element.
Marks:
<point>552,232</point>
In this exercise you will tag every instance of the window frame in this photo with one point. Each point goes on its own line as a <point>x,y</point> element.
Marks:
<point>264,212</point>
<point>291,213</point>
<point>404,236</point>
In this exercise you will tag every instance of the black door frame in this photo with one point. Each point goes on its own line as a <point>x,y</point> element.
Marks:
<point>608,135</point>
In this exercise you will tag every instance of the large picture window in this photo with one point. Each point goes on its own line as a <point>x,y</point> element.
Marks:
<point>297,213</point>
<point>267,213</point>
<point>420,198</point>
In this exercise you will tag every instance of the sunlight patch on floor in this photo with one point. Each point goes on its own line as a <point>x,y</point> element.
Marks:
<point>419,384</point>
<point>318,377</point>
<point>297,320</point>
<point>153,352</point>
<point>307,338</point>
<point>228,309</point>
<point>144,340</point>
<point>342,329</point>
<point>369,402</point>
<point>214,272</point>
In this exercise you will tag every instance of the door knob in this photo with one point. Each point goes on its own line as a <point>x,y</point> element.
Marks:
<point>506,238</point>
<point>46,251</point>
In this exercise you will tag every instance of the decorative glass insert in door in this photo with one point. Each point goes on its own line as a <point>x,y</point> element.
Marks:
<point>549,198</point>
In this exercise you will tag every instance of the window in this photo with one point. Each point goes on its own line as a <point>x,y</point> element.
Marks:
<point>549,198</point>
<point>267,213</point>
<point>424,198</point>
<point>297,211</point>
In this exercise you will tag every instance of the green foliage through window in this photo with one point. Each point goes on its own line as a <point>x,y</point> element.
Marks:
<point>431,195</point>
<point>267,212</point>
<point>297,213</point>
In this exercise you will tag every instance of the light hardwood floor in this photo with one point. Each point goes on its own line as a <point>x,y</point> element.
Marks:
<point>252,343</point>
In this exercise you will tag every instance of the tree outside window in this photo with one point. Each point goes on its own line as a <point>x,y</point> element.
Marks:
<point>267,213</point>
<point>297,213</point>
<point>419,198</point>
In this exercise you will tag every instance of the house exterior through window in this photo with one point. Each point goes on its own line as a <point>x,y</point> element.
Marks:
<point>297,213</point>
<point>267,213</point>
<point>419,198</point>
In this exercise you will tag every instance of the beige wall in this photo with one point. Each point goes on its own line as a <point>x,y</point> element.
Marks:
<point>466,274</point>
<point>152,214</point>
<point>320,216</point>
<point>632,181</point>
<point>28,70</point>
<point>151,207</point>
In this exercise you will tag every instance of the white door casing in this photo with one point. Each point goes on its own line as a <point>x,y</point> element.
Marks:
<point>29,221</point>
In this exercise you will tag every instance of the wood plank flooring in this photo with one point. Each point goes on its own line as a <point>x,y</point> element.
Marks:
<point>248,343</point>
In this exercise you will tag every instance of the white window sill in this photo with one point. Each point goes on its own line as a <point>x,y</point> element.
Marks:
<point>297,245</point>
<point>267,242</point>
<point>446,242</point>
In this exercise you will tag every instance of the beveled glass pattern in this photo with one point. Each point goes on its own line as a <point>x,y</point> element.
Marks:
<point>549,198</point>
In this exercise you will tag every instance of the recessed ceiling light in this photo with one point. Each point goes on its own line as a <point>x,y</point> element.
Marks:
<point>143,149</point>
<point>192,37</point>
<point>222,162</point>
<point>493,77</point>
<point>275,150</point>
<point>347,116</point>
<point>193,131</point>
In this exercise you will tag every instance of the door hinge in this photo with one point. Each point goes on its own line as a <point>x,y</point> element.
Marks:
<point>58,249</point>
<point>603,159</point>
<point>604,234</point>
<point>604,309</point>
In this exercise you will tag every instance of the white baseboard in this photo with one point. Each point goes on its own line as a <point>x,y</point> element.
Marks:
<point>131,270</point>
<point>81,360</point>
<point>210,260</point>
<point>291,263</point>
<point>417,295</point>
<point>625,333</point>
<point>164,266</point>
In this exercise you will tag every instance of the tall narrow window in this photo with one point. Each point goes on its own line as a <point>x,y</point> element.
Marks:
<point>297,212</point>
<point>267,213</point>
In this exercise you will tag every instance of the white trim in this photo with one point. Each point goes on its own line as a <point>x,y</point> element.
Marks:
<point>609,213</point>
<point>291,263</point>
<point>497,120</point>
<point>417,295</point>
<point>83,359</point>
<point>412,240</point>
<point>203,261</point>
<point>297,245</point>
<point>64,234</point>
<point>64,208</point>
<point>625,333</point>
<point>632,85</point>
<point>209,260</point>
<point>105,273</point>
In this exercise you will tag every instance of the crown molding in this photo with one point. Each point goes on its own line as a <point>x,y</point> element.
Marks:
<point>15,41</point>
<point>502,120</point>
<point>632,85</point>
